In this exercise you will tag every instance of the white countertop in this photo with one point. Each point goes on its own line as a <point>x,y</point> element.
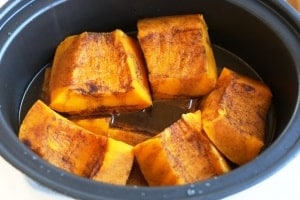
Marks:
<point>284,184</point>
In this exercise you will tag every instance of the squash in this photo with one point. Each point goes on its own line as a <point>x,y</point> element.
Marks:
<point>98,72</point>
<point>101,126</point>
<point>128,136</point>
<point>117,163</point>
<point>61,142</point>
<point>234,115</point>
<point>97,125</point>
<point>178,53</point>
<point>73,148</point>
<point>180,154</point>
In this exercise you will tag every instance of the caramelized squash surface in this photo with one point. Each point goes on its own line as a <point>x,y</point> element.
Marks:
<point>61,142</point>
<point>98,72</point>
<point>180,154</point>
<point>75,149</point>
<point>234,116</point>
<point>178,52</point>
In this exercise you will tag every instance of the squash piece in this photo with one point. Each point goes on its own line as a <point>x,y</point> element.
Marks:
<point>178,53</point>
<point>73,148</point>
<point>128,136</point>
<point>180,154</point>
<point>101,126</point>
<point>234,116</point>
<point>117,163</point>
<point>98,72</point>
<point>97,125</point>
<point>61,142</point>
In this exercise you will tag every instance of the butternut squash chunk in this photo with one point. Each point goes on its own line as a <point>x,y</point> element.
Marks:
<point>98,72</point>
<point>97,125</point>
<point>130,137</point>
<point>117,163</point>
<point>180,154</point>
<point>61,142</point>
<point>179,56</point>
<point>73,148</point>
<point>101,126</point>
<point>234,116</point>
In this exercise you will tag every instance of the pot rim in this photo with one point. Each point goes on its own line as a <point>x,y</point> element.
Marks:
<point>58,180</point>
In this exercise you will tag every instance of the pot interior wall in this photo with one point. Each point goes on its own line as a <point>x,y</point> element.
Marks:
<point>35,30</point>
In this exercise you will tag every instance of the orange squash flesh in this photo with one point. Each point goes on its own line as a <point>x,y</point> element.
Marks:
<point>178,53</point>
<point>61,142</point>
<point>98,72</point>
<point>117,163</point>
<point>234,116</point>
<point>101,126</point>
<point>75,149</point>
<point>180,154</point>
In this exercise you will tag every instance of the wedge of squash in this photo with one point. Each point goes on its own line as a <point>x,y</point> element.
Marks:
<point>97,125</point>
<point>180,154</point>
<point>178,54</point>
<point>101,126</point>
<point>117,163</point>
<point>73,148</point>
<point>98,72</point>
<point>234,116</point>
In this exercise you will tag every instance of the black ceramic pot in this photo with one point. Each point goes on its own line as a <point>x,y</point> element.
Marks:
<point>265,34</point>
